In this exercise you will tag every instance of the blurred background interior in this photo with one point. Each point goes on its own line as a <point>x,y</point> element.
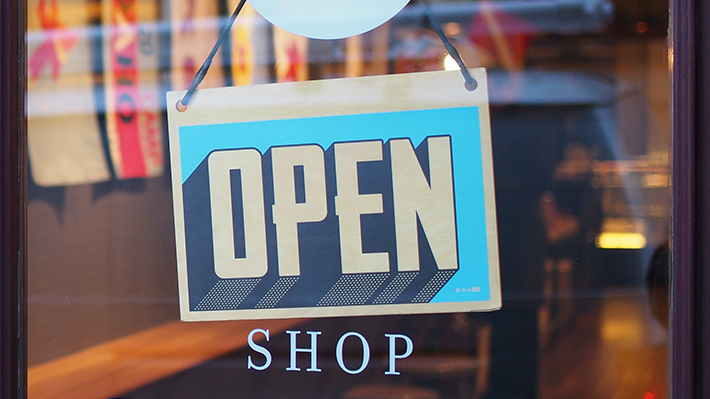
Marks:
<point>579,97</point>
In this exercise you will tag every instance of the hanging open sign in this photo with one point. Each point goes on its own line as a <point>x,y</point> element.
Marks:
<point>344,197</point>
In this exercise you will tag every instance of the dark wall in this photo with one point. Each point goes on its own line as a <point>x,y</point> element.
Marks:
<point>101,261</point>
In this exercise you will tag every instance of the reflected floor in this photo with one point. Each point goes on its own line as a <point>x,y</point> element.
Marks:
<point>612,349</point>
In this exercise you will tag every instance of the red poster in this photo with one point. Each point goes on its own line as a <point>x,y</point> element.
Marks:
<point>132,122</point>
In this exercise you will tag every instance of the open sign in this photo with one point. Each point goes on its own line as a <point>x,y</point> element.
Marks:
<point>331,212</point>
<point>299,195</point>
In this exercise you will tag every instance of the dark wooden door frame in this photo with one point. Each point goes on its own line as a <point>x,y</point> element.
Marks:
<point>12,203</point>
<point>702,196</point>
<point>690,276</point>
<point>690,293</point>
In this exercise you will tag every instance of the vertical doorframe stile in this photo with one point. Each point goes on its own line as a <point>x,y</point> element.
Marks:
<point>702,204</point>
<point>12,200</point>
<point>689,230</point>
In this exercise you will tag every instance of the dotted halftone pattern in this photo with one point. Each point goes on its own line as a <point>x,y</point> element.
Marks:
<point>433,286</point>
<point>227,294</point>
<point>276,292</point>
<point>395,288</point>
<point>353,289</point>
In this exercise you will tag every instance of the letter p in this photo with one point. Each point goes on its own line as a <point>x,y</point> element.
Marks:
<point>393,354</point>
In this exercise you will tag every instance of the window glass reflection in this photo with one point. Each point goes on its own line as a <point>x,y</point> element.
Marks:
<point>579,99</point>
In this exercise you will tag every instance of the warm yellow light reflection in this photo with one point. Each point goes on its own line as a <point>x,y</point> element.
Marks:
<point>655,180</point>
<point>450,63</point>
<point>621,241</point>
<point>622,322</point>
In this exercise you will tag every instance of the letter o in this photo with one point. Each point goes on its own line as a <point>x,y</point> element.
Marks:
<point>365,353</point>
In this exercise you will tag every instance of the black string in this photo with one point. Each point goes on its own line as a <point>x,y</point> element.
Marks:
<point>471,83</point>
<point>200,75</point>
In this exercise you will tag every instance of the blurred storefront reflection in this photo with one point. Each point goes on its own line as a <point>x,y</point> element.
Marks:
<point>580,128</point>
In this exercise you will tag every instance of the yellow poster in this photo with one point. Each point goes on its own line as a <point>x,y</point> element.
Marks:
<point>291,53</point>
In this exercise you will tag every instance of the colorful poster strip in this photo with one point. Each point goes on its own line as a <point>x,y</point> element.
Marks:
<point>291,52</point>
<point>195,27</point>
<point>131,87</point>
<point>64,136</point>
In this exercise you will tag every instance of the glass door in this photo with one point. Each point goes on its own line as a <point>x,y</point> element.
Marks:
<point>579,99</point>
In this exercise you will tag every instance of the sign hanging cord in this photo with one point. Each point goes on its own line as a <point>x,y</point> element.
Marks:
<point>470,84</point>
<point>200,75</point>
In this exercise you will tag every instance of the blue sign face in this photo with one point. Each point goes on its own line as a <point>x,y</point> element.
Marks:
<point>337,215</point>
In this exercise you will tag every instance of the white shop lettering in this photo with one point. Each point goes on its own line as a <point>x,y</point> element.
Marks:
<point>313,351</point>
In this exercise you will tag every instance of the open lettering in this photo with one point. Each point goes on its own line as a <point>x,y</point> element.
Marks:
<point>422,193</point>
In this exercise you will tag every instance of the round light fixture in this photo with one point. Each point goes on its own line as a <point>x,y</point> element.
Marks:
<point>328,19</point>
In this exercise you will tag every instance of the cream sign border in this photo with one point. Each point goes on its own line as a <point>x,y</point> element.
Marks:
<point>367,95</point>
